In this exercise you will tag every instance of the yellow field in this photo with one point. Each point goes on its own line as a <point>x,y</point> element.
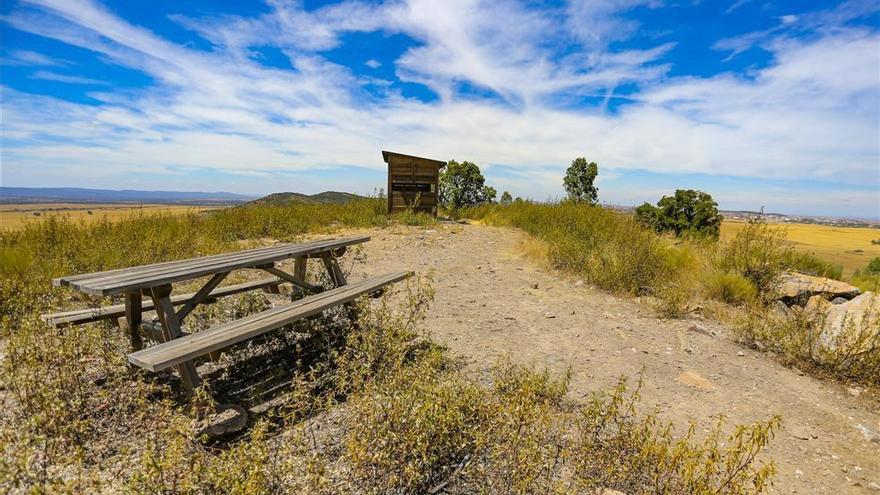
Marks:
<point>849,247</point>
<point>13,216</point>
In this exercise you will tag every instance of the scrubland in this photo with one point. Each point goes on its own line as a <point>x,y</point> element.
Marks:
<point>374,405</point>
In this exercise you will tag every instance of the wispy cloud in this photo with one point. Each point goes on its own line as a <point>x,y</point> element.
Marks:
<point>64,78</point>
<point>28,57</point>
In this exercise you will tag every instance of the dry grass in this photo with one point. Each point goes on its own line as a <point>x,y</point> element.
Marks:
<point>15,216</point>
<point>849,247</point>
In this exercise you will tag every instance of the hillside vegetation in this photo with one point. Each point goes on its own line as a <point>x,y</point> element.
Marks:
<point>77,419</point>
<point>612,251</point>
<point>324,198</point>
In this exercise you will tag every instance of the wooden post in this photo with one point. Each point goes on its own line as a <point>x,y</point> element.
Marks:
<point>133,317</point>
<point>171,325</point>
<point>337,276</point>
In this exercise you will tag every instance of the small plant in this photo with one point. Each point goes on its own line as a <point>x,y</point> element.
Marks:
<point>731,288</point>
<point>758,253</point>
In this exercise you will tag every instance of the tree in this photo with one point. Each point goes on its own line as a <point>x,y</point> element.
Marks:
<point>687,213</point>
<point>462,184</point>
<point>506,198</point>
<point>579,179</point>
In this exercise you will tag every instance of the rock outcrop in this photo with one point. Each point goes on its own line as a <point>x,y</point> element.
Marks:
<point>850,327</point>
<point>229,418</point>
<point>798,288</point>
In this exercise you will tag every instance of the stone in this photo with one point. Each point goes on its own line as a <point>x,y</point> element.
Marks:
<point>839,300</point>
<point>797,288</point>
<point>229,418</point>
<point>695,380</point>
<point>855,391</point>
<point>781,310</point>
<point>851,327</point>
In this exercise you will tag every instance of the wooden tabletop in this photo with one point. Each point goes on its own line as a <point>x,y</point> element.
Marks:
<point>147,276</point>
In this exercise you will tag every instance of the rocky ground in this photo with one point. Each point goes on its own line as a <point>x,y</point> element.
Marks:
<point>492,301</point>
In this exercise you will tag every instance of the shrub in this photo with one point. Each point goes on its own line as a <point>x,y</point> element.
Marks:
<point>731,288</point>
<point>873,267</point>
<point>688,213</point>
<point>811,265</point>
<point>758,253</point>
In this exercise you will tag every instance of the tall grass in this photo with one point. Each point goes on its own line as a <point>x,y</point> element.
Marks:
<point>610,250</point>
<point>77,419</point>
<point>57,246</point>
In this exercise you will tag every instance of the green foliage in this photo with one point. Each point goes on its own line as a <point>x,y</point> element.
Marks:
<point>758,253</point>
<point>811,265</point>
<point>873,267</point>
<point>731,288</point>
<point>506,198</point>
<point>687,213</point>
<point>462,185</point>
<point>579,179</point>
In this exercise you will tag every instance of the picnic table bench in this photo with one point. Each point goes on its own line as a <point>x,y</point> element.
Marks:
<point>156,281</point>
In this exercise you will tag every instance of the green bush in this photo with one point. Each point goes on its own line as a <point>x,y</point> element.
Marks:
<point>758,252</point>
<point>688,213</point>
<point>811,265</point>
<point>731,288</point>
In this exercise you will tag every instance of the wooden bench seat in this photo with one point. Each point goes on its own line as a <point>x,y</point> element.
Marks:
<point>186,348</point>
<point>87,315</point>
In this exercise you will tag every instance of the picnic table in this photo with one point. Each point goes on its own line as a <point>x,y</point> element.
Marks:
<point>156,282</point>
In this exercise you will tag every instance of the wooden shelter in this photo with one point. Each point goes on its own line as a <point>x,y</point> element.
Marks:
<point>413,182</point>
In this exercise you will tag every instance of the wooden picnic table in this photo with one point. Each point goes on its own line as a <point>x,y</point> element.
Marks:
<point>156,282</point>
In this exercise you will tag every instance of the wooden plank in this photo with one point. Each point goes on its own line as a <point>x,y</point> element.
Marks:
<point>192,262</point>
<point>187,348</point>
<point>333,269</point>
<point>87,315</point>
<point>169,266</point>
<point>290,278</point>
<point>192,270</point>
<point>151,276</point>
<point>201,295</point>
<point>133,310</point>
<point>171,326</point>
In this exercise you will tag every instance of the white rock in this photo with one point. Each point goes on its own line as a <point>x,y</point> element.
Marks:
<point>851,327</point>
<point>796,288</point>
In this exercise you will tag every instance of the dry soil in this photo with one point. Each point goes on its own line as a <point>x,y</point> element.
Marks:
<point>492,301</point>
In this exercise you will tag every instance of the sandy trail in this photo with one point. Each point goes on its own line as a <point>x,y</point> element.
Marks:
<point>491,302</point>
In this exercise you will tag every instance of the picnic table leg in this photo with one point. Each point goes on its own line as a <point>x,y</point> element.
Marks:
<point>133,317</point>
<point>171,325</point>
<point>337,276</point>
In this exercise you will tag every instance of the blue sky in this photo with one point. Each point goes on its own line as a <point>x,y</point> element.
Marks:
<point>760,103</point>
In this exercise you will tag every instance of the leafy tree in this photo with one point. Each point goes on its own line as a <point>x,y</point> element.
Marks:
<point>462,184</point>
<point>688,213</point>
<point>579,179</point>
<point>506,198</point>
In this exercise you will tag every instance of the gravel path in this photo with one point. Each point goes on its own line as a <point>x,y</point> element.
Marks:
<point>490,301</point>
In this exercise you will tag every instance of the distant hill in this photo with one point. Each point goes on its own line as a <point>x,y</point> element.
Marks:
<point>324,198</point>
<point>82,195</point>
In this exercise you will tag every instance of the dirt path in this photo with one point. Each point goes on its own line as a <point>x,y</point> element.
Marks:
<point>491,302</point>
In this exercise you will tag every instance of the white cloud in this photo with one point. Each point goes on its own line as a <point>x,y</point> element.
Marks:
<point>812,114</point>
<point>54,76</point>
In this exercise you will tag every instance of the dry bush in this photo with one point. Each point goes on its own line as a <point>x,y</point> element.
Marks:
<point>853,355</point>
<point>758,253</point>
<point>608,248</point>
